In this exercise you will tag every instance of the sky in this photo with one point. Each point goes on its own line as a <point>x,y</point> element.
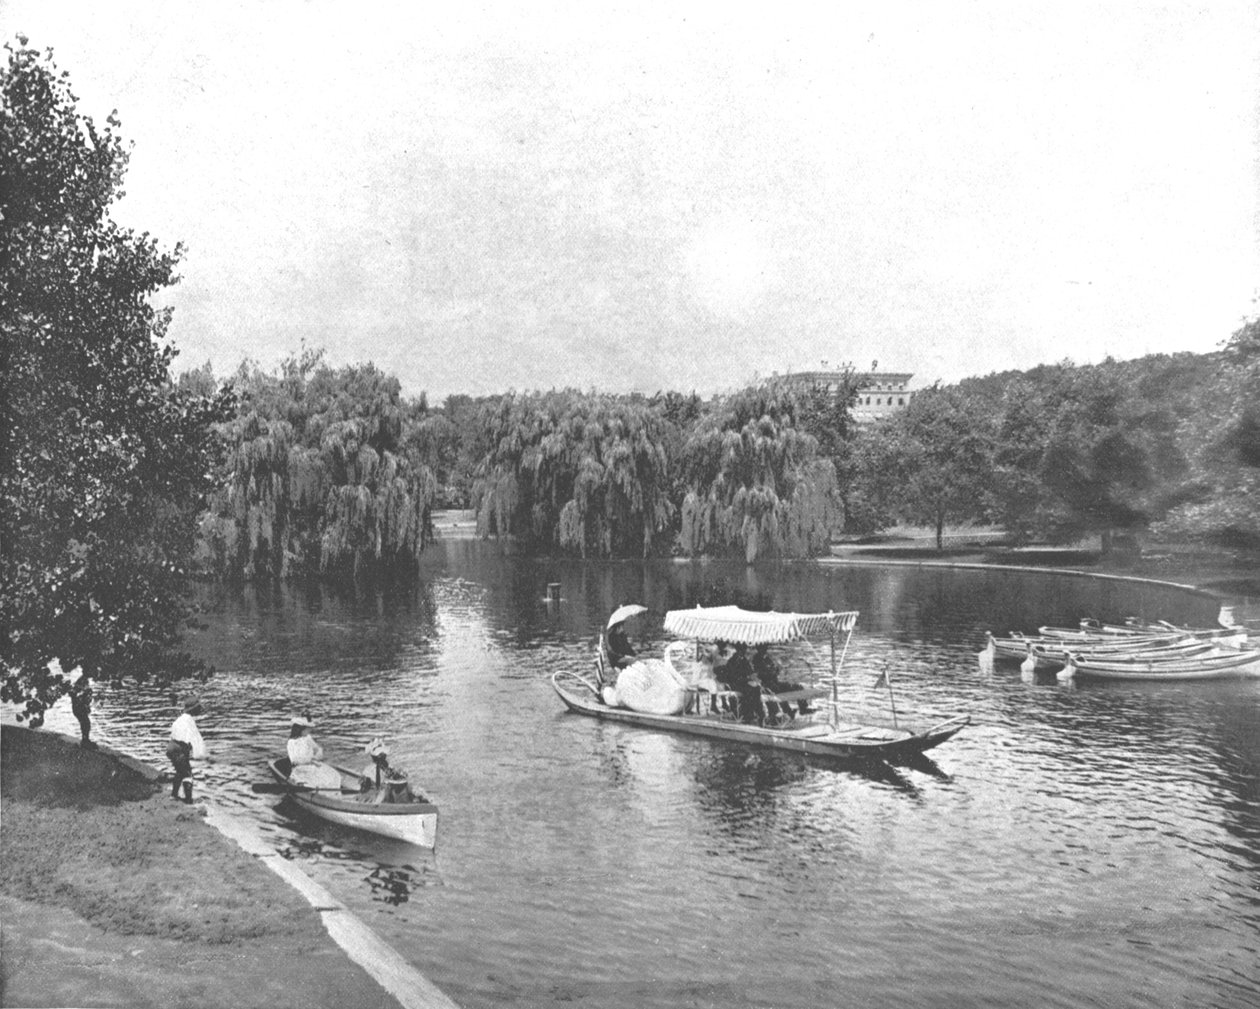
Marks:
<point>656,196</point>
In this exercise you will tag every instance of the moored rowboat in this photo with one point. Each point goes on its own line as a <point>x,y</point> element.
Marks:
<point>1051,653</point>
<point>1155,642</point>
<point>1227,662</point>
<point>351,805</point>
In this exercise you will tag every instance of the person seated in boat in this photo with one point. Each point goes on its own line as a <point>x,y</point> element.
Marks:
<point>397,788</point>
<point>719,655</point>
<point>770,675</point>
<point>716,658</point>
<point>620,652</point>
<point>381,782</point>
<point>376,773</point>
<point>306,757</point>
<point>743,680</point>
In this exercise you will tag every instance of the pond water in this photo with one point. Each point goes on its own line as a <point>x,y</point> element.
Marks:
<point>1087,845</point>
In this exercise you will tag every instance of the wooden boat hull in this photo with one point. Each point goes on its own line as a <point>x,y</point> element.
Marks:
<point>1230,636</point>
<point>1215,668</point>
<point>856,742</point>
<point>1051,653</point>
<point>414,822</point>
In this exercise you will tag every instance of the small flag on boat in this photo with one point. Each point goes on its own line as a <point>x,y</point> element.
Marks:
<point>881,680</point>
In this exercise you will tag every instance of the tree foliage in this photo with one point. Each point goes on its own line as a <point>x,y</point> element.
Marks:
<point>587,473</point>
<point>446,439</point>
<point>1218,501</point>
<point>756,485</point>
<point>105,463</point>
<point>1088,449</point>
<point>936,460</point>
<point>323,475</point>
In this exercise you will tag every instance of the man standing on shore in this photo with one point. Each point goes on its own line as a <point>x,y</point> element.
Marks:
<point>185,745</point>
<point>81,706</point>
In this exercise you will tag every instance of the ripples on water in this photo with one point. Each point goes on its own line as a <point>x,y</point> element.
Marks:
<point>1077,845</point>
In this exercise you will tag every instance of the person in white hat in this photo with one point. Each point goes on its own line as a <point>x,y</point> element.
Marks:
<point>377,772</point>
<point>381,782</point>
<point>306,757</point>
<point>184,746</point>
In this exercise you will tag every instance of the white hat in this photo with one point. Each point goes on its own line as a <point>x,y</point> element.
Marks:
<point>302,720</point>
<point>376,748</point>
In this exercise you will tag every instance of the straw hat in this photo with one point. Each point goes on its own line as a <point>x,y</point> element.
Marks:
<point>302,720</point>
<point>192,704</point>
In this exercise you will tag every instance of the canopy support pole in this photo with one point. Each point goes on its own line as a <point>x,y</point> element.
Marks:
<point>835,671</point>
<point>835,683</point>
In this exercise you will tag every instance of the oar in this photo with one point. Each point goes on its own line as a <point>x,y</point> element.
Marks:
<point>278,788</point>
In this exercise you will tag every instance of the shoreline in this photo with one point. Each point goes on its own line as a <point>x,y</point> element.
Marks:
<point>113,894</point>
<point>1231,583</point>
<point>1224,575</point>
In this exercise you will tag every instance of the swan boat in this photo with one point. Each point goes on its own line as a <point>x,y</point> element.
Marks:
<point>679,698</point>
<point>351,805</point>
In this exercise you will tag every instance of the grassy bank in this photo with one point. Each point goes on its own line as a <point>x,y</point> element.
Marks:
<point>113,894</point>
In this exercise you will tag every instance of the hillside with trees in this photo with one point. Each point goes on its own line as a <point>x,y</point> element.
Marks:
<point>1164,446</point>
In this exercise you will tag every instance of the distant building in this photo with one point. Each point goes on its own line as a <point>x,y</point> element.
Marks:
<point>882,393</point>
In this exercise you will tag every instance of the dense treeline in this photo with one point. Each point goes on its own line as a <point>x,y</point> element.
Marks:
<point>332,471</point>
<point>755,482</point>
<point>1162,445</point>
<point>587,473</point>
<point>325,473</point>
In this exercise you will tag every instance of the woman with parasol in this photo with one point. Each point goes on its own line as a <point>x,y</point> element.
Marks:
<point>620,652</point>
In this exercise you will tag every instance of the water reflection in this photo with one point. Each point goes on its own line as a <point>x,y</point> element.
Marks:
<point>391,885</point>
<point>395,870</point>
<point>1104,817</point>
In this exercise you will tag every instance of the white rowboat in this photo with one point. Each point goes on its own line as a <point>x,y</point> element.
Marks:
<point>352,806</point>
<point>1229,662</point>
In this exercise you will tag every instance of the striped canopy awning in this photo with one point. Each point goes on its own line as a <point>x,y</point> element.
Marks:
<point>748,627</point>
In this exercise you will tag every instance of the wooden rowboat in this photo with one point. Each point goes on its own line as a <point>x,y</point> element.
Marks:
<point>1232,635</point>
<point>1051,653</point>
<point>825,733</point>
<point>360,805</point>
<point>1226,663</point>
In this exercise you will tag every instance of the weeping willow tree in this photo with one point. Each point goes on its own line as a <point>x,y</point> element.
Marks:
<point>317,480</point>
<point>583,472</point>
<point>756,484</point>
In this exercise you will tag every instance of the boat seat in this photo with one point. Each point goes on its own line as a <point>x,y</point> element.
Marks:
<point>781,707</point>
<point>804,694</point>
<point>850,730</point>
<point>880,734</point>
<point>810,730</point>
